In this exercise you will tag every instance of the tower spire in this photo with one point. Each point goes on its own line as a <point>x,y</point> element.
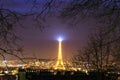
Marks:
<point>59,64</point>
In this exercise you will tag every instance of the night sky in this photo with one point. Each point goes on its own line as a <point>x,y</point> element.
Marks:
<point>44,44</point>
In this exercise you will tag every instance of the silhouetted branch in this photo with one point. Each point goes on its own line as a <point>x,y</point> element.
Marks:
<point>10,52</point>
<point>4,59</point>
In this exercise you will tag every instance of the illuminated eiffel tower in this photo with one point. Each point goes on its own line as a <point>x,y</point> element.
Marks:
<point>60,65</point>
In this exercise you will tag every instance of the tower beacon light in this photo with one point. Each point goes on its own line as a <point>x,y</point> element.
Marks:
<point>60,39</point>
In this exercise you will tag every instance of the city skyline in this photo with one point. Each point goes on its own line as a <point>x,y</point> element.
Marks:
<point>59,39</point>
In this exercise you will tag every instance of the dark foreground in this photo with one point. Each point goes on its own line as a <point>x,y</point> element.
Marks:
<point>65,75</point>
<point>29,74</point>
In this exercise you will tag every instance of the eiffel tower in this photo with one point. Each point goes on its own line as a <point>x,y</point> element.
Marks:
<point>60,65</point>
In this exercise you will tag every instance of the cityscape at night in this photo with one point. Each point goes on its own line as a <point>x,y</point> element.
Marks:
<point>59,40</point>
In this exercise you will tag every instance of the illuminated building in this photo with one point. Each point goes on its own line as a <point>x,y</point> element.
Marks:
<point>60,65</point>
